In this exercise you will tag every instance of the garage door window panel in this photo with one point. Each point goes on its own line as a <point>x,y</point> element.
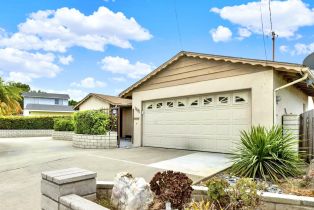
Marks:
<point>159,105</point>
<point>223,100</point>
<point>149,106</point>
<point>208,101</point>
<point>240,98</point>
<point>169,104</point>
<point>181,103</point>
<point>194,102</point>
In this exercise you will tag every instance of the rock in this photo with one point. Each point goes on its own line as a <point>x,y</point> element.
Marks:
<point>131,193</point>
<point>310,171</point>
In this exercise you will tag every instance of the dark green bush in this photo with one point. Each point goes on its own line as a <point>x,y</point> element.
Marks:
<point>91,122</point>
<point>63,124</point>
<point>266,154</point>
<point>21,122</point>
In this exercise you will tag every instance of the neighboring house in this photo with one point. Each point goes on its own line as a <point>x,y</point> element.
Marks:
<point>46,104</point>
<point>202,102</point>
<point>94,101</point>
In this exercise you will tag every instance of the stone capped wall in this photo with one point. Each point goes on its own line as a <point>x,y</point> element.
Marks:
<point>84,141</point>
<point>24,133</point>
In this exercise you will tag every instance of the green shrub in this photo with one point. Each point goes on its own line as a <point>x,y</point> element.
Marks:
<point>242,195</point>
<point>22,122</point>
<point>266,154</point>
<point>91,122</point>
<point>63,124</point>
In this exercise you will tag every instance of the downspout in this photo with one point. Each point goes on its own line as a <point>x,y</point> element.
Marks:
<point>304,77</point>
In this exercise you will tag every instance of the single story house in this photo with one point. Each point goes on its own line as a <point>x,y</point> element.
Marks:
<point>95,101</point>
<point>40,103</point>
<point>201,102</point>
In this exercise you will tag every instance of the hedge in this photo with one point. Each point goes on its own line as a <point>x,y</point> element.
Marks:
<point>25,123</point>
<point>63,124</point>
<point>91,122</point>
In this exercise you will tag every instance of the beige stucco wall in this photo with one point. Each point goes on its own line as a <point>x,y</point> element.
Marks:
<point>260,83</point>
<point>292,99</point>
<point>127,122</point>
<point>93,103</point>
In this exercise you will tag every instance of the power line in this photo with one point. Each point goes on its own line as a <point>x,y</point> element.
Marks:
<point>273,34</point>
<point>262,23</point>
<point>177,23</point>
<point>270,18</point>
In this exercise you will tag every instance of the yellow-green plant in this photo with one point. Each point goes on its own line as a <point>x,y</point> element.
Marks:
<point>266,153</point>
<point>9,99</point>
<point>200,205</point>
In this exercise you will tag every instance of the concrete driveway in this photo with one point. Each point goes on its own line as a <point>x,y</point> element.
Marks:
<point>23,159</point>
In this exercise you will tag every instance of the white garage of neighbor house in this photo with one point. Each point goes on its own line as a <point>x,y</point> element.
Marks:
<point>202,102</point>
<point>95,101</point>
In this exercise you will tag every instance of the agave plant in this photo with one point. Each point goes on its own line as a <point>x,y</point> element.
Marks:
<point>9,99</point>
<point>267,154</point>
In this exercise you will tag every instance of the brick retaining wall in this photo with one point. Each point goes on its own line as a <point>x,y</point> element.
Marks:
<point>62,135</point>
<point>84,141</point>
<point>24,133</point>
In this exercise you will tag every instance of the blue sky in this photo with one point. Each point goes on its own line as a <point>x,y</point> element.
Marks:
<point>103,46</point>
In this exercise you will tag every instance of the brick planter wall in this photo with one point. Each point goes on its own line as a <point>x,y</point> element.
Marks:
<point>95,141</point>
<point>24,133</point>
<point>62,135</point>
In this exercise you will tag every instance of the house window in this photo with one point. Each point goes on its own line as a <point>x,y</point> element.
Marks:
<point>223,99</point>
<point>57,101</point>
<point>180,104</point>
<point>169,104</point>
<point>194,103</point>
<point>159,105</point>
<point>207,101</point>
<point>150,106</point>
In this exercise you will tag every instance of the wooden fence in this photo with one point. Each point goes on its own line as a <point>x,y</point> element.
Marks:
<point>306,145</point>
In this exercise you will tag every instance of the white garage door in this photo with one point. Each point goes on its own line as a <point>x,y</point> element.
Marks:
<point>209,122</point>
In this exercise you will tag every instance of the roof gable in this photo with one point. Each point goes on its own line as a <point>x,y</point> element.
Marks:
<point>258,64</point>
<point>112,100</point>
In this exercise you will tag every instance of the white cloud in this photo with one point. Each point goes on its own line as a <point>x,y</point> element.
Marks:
<point>284,48</point>
<point>119,79</point>
<point>118,65</point>
<point>221,34</point>
<point>303,49</point>
<point>244,33</point>
<point>23,66</point>
<point>298,49</point>
<point>88,82</point>
<point>66,60</point>
<point>288,16</point>
<point>58,30</point>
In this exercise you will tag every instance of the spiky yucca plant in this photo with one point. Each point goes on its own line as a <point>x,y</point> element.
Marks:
<point>266,153</point>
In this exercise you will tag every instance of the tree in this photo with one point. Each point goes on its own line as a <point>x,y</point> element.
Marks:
<point>23,87</point>
<point>72,102</point>
<point>9,99</point>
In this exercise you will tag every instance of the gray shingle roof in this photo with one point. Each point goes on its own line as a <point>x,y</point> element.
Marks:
<point>52,108</point>
<point>45,95</point>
